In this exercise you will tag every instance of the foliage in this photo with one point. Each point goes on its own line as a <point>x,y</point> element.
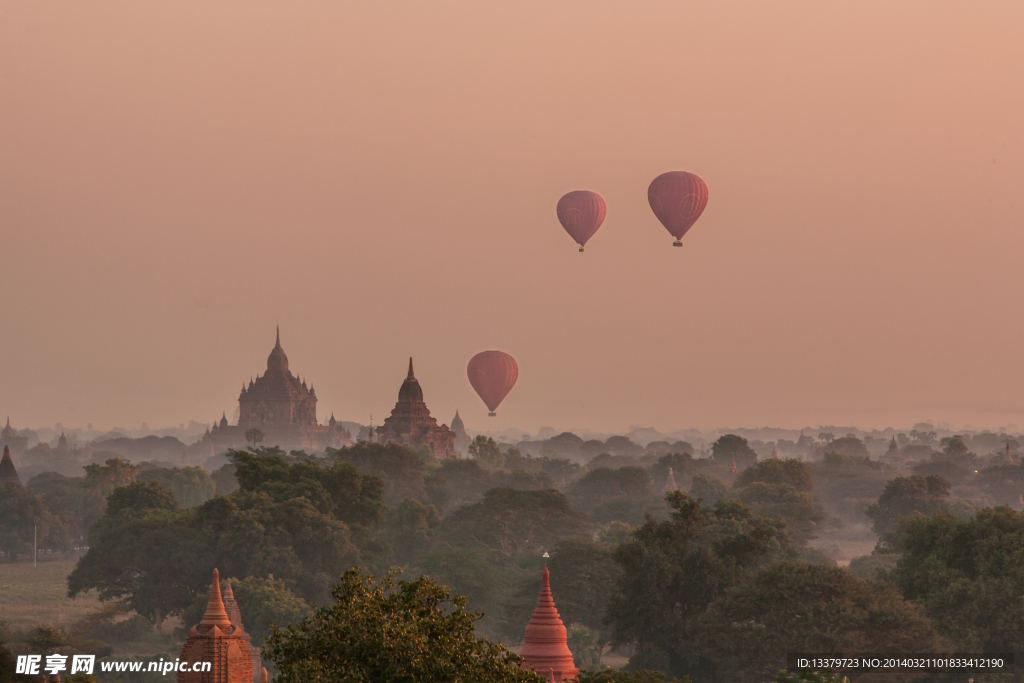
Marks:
<point>905,496</point>
<point>385,629</point>
<point>131,503</point>
<point>872,566</point>
<point>602,484</point>
<point>796,607</point>
<point>585,646</point>
<point>967,574</point>
<point>709,489</point>
<point>24,517</point>
<point>254,436</point>
<point>775,472</point>
<point>672,571</point>
<point>64,497</point>
<point>403,472</point>
<point>303,523</point>
<point>801,511</point>
<point>849,445</point>
<point>615,533</point>
<point>732,446</point>
<point>682,465</point>
<point>617,676</point>
<point>408,529</point>
<point>224,479</point>
<point>509,523</point>
<point>100,481</point>
<point>486,452</point>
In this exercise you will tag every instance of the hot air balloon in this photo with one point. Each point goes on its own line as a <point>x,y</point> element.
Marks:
<point>492,374</point>
<point>678,198</point>
<point>581,214</point>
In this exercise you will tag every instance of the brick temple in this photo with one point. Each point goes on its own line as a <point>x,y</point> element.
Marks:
<point>545,646</point>
<point>216,640</point>
<point>281,406</point>
<point>410,422</point>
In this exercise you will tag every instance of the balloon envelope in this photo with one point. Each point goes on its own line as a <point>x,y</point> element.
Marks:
<point>678,199</point>
<point>581,214</point>
<point>492,374</point>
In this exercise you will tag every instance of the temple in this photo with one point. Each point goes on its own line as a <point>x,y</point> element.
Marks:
<point>545,648</point>
<point>8,475</point>
<point>410,422</point>
<point>893,454</point>
<point>462,439</point>
<point>283,408</point>
<point>235,615</point>
<point>1008,459</point>
<point>217,641</point>
<point>670,484</point>
<point>9,437</point>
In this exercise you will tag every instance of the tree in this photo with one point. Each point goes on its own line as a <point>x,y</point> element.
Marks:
<point>263,603</point>
<point>967,574</point>
<point>622,445</point>
<point>385,629</point>
<point>744,636</point>
<point>22,519</point>
<point>849,445</point>
<point>487,453</point>
<point>100,481</point>
<point>400,468</point>
<point>509,523</point>
<point>601,485</point>
<point>803,514</point>
<point>795,473</point>
<point>254,436</point>
<point>673,570</point>
<point>732,446</point>
<point>905,496</point>
<point>584,644</point>
<point>408,529</point>
<point>709,489</point>
<point>132,503</point>
<point>682,465</point>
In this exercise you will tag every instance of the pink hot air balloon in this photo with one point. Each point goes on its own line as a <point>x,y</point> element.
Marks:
<point>492,374</point>
<point>581,214</point>
<point>678,199</point>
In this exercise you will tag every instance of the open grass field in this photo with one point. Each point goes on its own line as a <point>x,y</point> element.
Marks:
<point>36,595</point>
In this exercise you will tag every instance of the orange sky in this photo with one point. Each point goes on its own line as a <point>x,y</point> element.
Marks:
<point>381,178</point>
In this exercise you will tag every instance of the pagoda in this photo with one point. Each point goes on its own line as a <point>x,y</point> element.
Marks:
<point>462,439</point>
<point>545,648</point>
<point>1008,459</point>
<point>235,615</point>
<point>670,484</point>
<point>282,407</point>
<point>410,422</point>
<point>8,475</point>
<point>217,641</point>
<point>893,454</point>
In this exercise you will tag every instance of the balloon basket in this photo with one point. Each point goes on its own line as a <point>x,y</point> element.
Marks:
<point>492,414</point>
<point>677,243</point>
<point>581,250</point>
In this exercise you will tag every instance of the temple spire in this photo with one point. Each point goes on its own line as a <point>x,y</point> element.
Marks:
<point>411,376</point>
<point>544,644</point>
<point>277,344</point>
<point>215,614</point>
<point>670,484</point>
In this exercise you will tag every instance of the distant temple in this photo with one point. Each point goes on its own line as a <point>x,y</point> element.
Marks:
<point>217,641</point>
<point>8,475</point>
<point>775,454</point>
<point>545,648</point>
<point>410,422</point>
<point>283,408</point>
<point>9,437</point>
<point>670,484</point>
<point>1008,458</point>
<point>893,454</point>
<point>462,439</point>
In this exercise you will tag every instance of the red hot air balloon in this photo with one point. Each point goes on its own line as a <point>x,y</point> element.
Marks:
<point>492,374</point>
<point>581,214</point>
<point>678,199</point>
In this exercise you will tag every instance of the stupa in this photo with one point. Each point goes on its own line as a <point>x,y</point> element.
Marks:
<point>671,484</point>
<point>8,474</point>
<point>545,648</point>
<point>410,422</point>
<point>217,641</point>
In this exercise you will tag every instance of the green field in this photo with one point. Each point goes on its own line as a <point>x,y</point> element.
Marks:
<point>36,595</point>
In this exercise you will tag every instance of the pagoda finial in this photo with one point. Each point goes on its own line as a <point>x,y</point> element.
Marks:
<point>411,376</point>
<point>278,344</point>
<point>215,614</point>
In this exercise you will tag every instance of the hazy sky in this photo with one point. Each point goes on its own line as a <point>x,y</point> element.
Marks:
<point>380,179</point>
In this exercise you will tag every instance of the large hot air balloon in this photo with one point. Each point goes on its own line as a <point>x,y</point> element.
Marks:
<point>581,214</point>
<point>678,199</point>
<point>492,374</point>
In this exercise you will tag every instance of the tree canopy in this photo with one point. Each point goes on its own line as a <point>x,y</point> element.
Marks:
<point>385,629</point>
